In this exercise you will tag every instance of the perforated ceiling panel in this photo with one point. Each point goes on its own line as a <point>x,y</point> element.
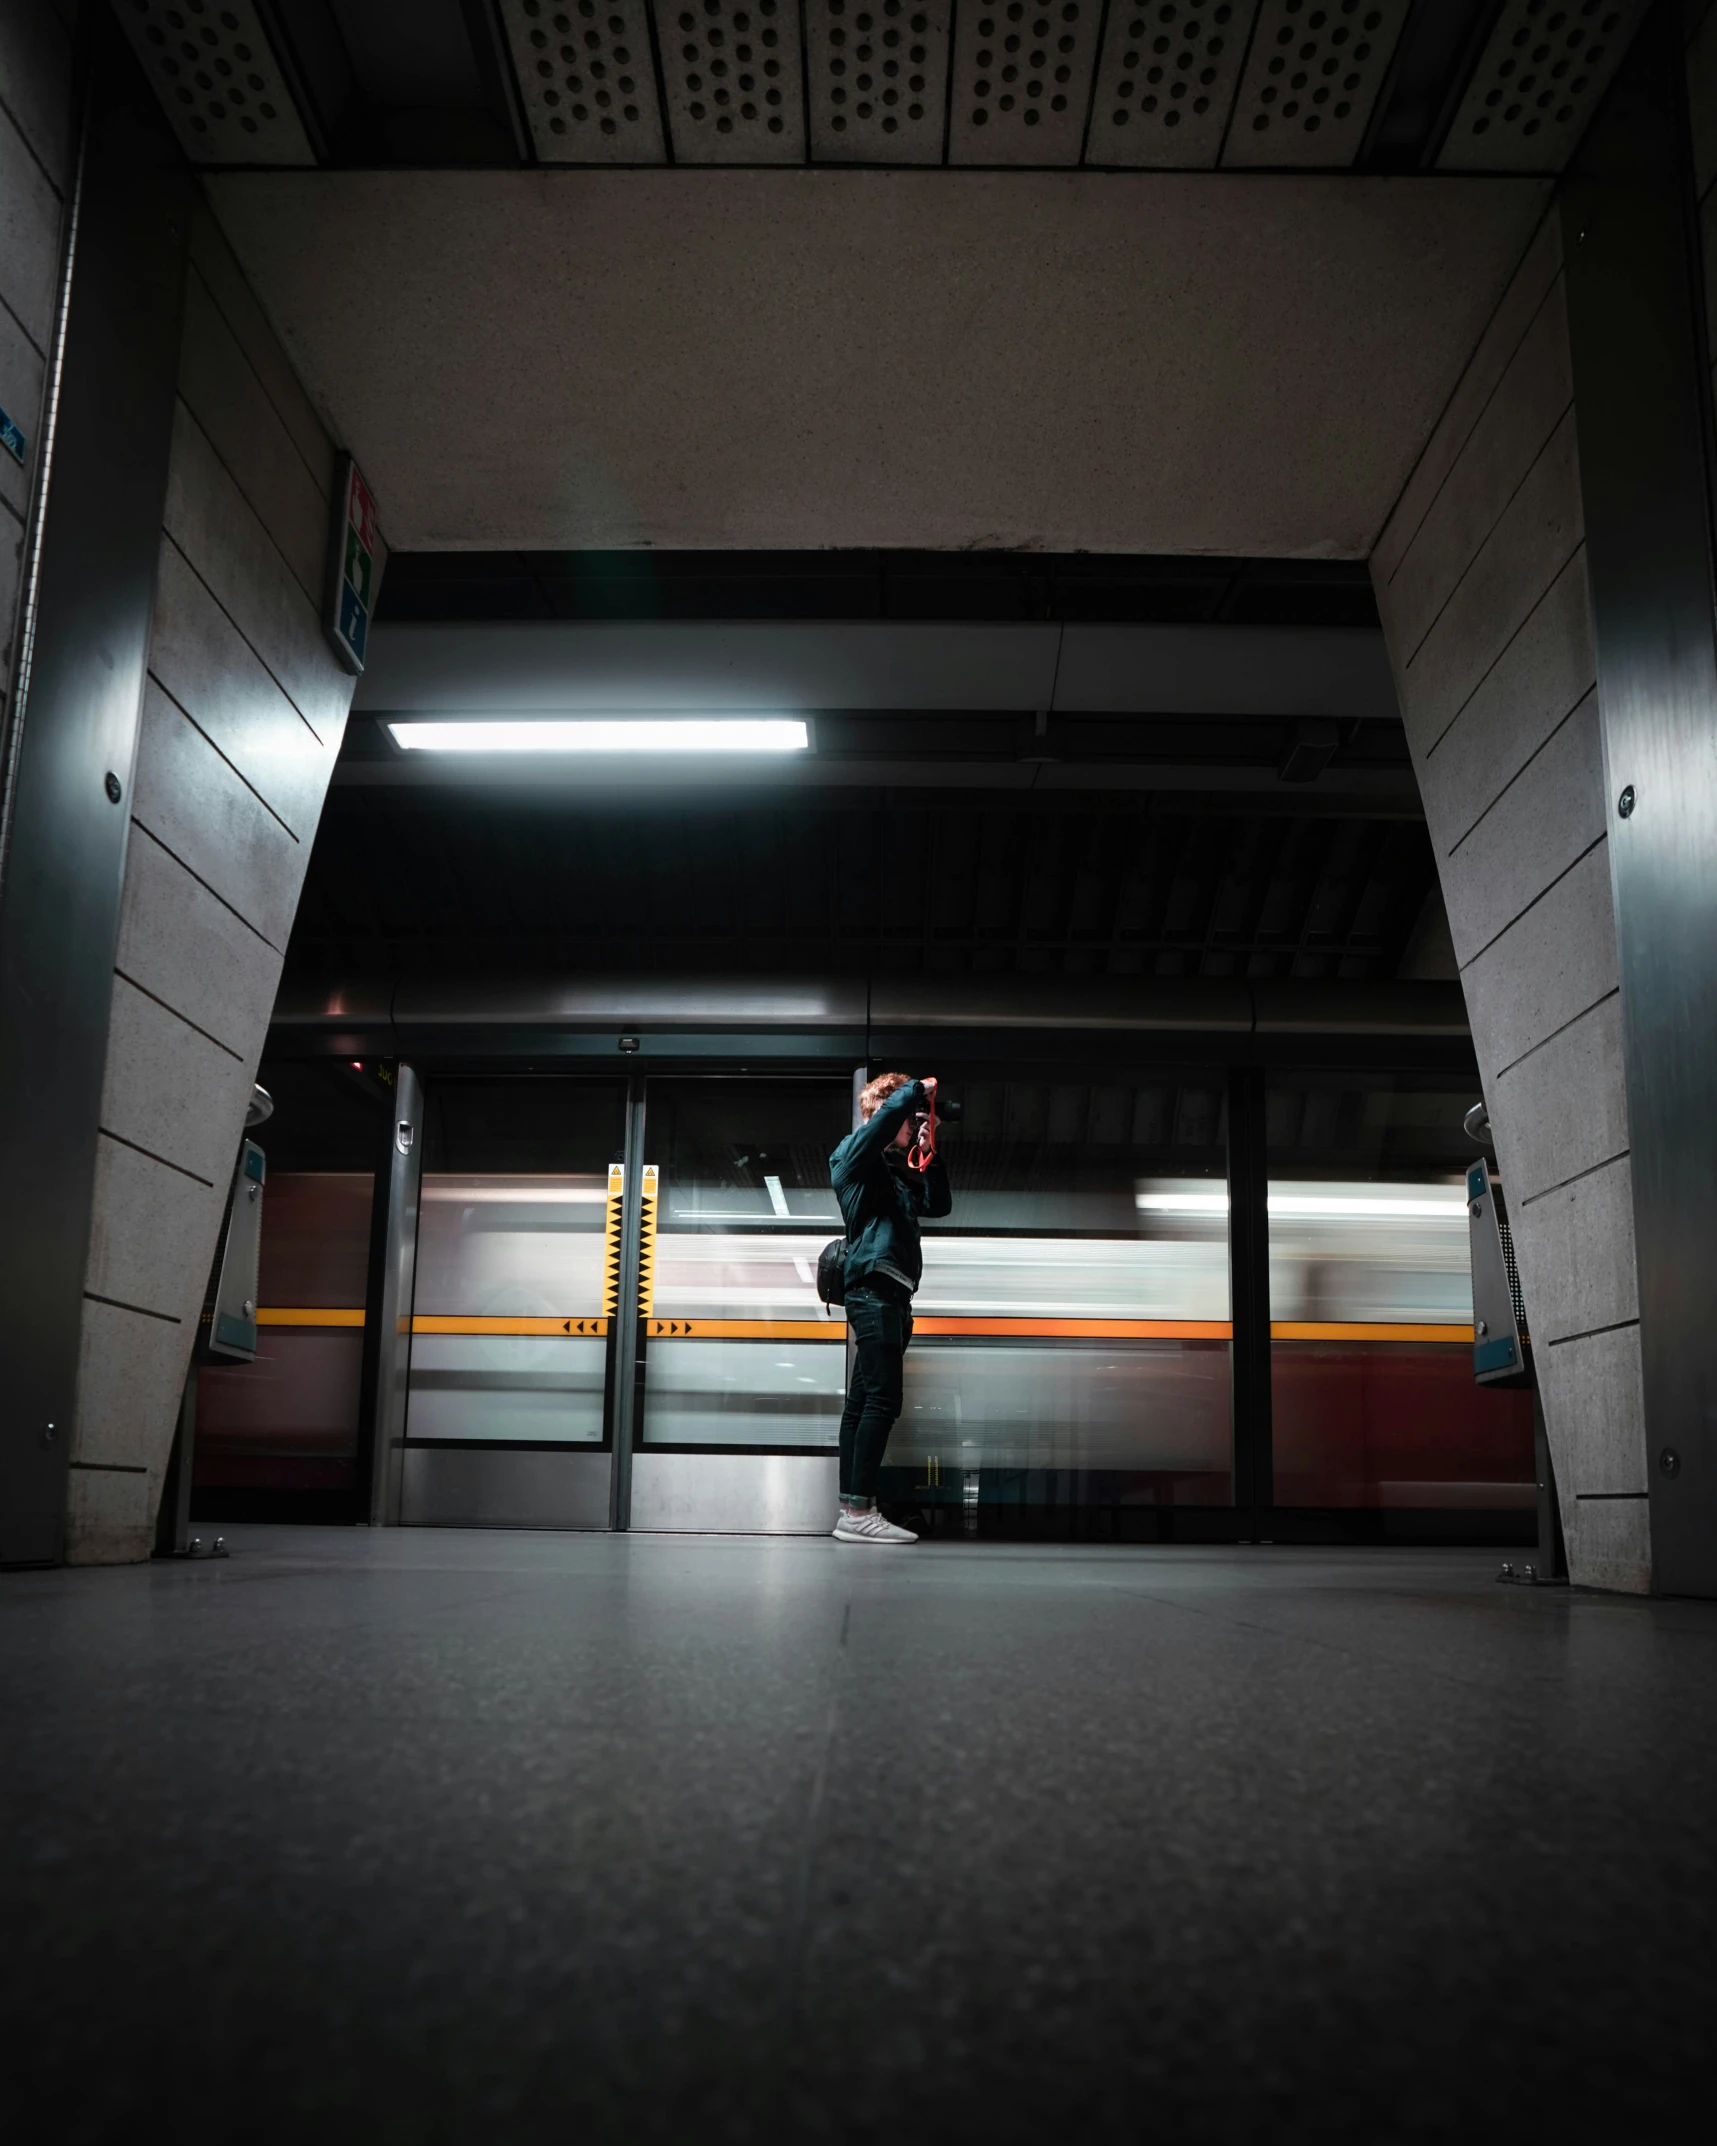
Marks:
<point>216,73</point>
<point>878,73</point>
<point>732,72</point>
<point>1166,81</point>
<point>1022,81</point>
<point>587,80</point>
<point>1311,80</point>
<point>1537,83</point>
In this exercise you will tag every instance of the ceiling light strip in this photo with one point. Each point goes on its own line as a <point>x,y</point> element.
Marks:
<point>686,734</point>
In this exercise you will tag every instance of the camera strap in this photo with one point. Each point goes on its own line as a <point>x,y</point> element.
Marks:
<point>922,1153</point>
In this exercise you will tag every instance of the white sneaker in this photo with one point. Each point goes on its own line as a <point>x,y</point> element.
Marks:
<point>869,1527</point>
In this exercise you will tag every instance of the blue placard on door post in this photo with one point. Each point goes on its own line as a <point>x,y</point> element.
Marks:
<point>353,543</point>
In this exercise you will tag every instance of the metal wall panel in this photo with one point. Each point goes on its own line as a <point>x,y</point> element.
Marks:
<point>387,1342</point>
<point>454,1486</point>
<point>877,74</point>
<point>1312,78</point>
<point>735,94</point>
<point>1022,81</point>
<point>587,80</point>
<point>627,1353</point>
<point>735,1493</point>
<point>1166,82</point>
<point>1629,239</point>
<point>81,684</point>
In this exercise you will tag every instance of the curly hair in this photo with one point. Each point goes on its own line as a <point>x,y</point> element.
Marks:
<point>876,1092</point>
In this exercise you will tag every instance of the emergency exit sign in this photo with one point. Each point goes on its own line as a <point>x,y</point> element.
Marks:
<point>351,565</point>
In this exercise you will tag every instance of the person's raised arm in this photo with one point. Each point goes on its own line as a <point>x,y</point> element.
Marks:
<point>879,1129</point>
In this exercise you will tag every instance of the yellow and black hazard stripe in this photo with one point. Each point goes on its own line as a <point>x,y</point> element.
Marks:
<point>647,1239</point>
<point>611,1238</point>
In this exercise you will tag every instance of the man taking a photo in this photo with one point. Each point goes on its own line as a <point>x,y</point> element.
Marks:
<point>882,1199</point>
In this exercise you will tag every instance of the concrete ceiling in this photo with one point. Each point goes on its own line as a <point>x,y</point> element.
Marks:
<point>1133,362</point>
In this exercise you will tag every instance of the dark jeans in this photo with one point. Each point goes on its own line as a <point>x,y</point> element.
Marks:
<point>881,1325</point>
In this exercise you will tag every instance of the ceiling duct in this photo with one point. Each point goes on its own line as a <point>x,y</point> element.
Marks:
<point>220,80</point>
<point>1538,82</point>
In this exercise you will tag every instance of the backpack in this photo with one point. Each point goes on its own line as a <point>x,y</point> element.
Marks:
<point>832,1271</point>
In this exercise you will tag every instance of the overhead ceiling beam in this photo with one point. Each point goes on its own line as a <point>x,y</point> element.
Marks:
<point>1140,1005</point>
<point>571,666</point>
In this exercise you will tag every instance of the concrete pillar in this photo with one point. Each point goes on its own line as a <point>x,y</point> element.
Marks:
<point>243,712</point>
<point>141,959</point>
<point>1481,582</point>
<point>1482,579</point>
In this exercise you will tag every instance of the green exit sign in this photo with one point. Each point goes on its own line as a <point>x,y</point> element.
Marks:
<point>351,565</point>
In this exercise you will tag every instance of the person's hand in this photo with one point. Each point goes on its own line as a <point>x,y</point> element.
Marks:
<point>928,1083</point>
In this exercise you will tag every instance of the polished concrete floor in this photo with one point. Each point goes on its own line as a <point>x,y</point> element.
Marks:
<point>459,1836</point>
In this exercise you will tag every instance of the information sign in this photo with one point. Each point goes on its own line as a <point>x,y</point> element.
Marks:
<point>352,550</point>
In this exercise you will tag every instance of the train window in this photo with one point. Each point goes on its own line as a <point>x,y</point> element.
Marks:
<point>741,1354</point>
<point>1072,1345</point>
<point>509,1341</point>
<point>279,1436</point>
<point>1372,1392</point>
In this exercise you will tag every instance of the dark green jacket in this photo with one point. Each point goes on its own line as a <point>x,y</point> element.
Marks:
<point>881,1201</point>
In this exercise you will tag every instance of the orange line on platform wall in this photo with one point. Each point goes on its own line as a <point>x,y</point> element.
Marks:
<point>579,1326</point>
<point>593,1326</point>
<point>1322,1330</point>
<point>1082,1329</point>
<point>671,1329</point>
<point>835,1329</point>
<point>342,1315</point>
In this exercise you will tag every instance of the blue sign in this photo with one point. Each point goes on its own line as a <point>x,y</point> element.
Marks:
<point>354,621</point>
<point>11,439</point>
<point>351,566</point>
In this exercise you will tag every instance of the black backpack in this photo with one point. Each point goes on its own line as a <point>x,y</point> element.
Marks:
<point>832,1271</point>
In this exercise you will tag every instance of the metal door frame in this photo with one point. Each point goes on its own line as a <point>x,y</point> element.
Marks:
<point>407,1488</point>
<point>716,1490</point>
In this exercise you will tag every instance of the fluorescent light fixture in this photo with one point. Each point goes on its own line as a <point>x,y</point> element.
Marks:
<point>777,1198</point>
<point>608,734</point>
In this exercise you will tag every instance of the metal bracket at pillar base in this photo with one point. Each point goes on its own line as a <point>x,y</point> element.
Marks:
<point>197,1548</point>
<point>1528,1576</point>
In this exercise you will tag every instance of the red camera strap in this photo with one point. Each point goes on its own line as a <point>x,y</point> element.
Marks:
<point>923,1150</point>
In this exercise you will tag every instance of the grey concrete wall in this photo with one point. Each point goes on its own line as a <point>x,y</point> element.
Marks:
<point>35,160</point>
<point>1481,579</point>
<point>243,714</point>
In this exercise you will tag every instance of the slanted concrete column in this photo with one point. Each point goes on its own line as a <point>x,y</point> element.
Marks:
<point>1481,582</point>
<point>243,712</point>
<point>1516,706</point>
